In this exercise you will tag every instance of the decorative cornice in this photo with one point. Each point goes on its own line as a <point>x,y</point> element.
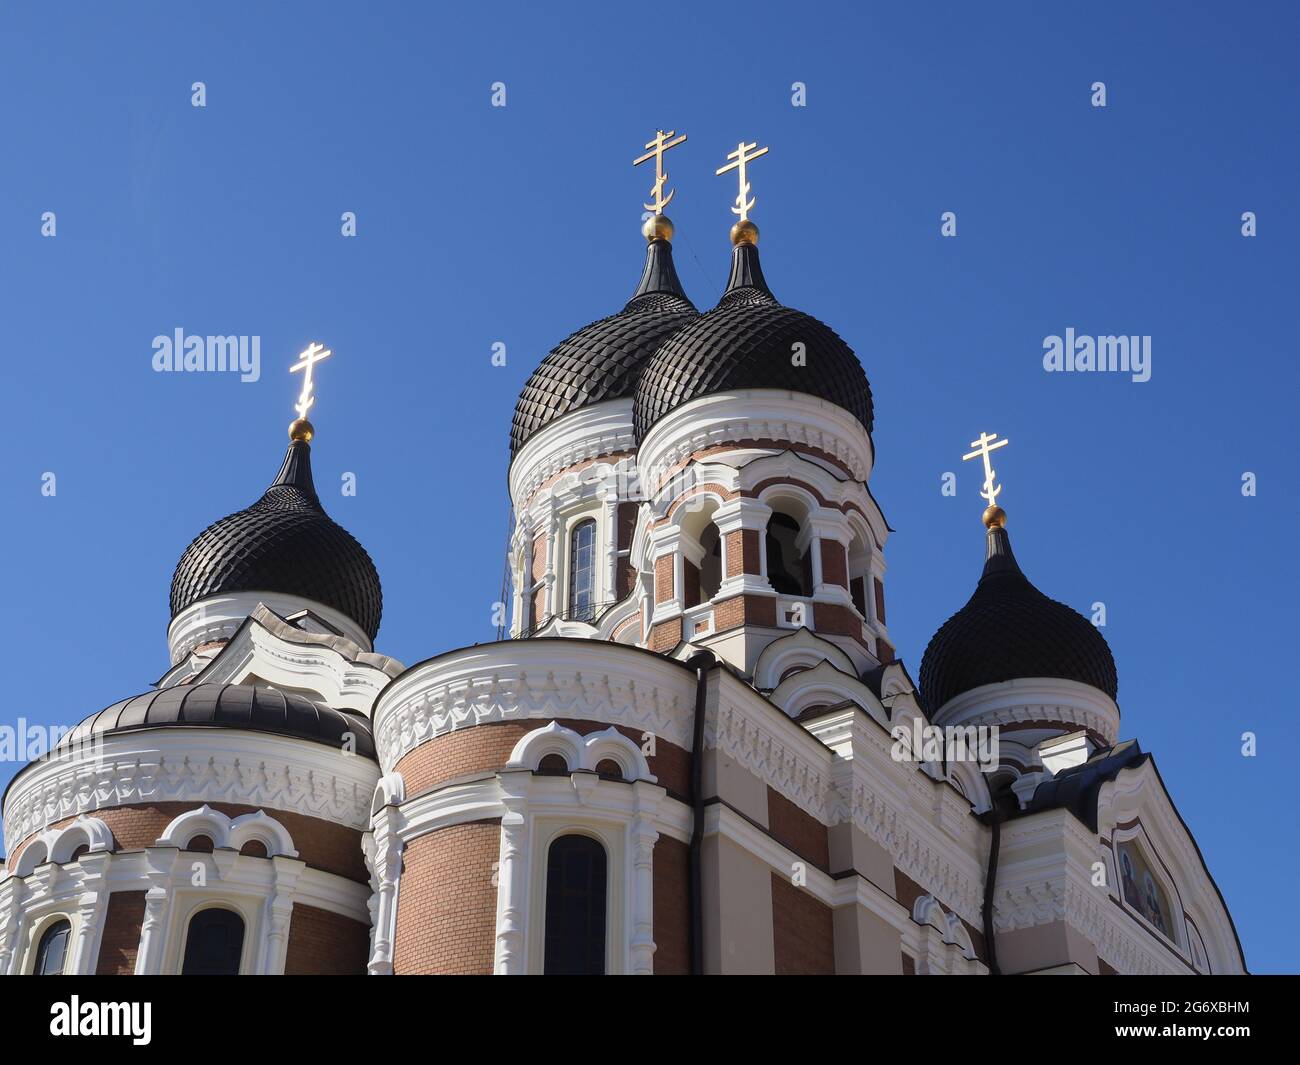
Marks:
<point>759,415</point>
<point>587,433</point>
<point>534,678</point>
<point>193,764</point>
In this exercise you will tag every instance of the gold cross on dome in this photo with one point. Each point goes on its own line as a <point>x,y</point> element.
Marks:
<point>306,360</point>
<point>661,143</point>
<point>983,446</point>
<point>743,154</point>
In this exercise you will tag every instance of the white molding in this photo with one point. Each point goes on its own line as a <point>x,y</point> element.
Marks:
<point>753,414</point>
<point>218,617</point>
<point>522,679</point>
<point>586,433</point>
<point>581,752</point>
<point>336,675</point>
<point>801,648</point>
<point>1029,699</point>
<point>193,764</point>
<point>226,832</point>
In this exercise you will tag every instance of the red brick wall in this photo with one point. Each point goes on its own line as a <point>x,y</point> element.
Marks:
<point>691,583</point>
<point>744,610</point>
<point>121,938</point>
<point>835,563</point>
<point>322,943</point>
<point>799,831</point>
<point>446,903</point>
<point>803,933</point>
<point>666,635</point>
<point>880,599</point>
<point>325,845</point>
<point>742,552</point>
<point>479,749</point>
<point>663,578</point>
<point>672,907</point>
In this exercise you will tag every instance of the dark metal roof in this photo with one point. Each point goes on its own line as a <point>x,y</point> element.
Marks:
<point>237,706</point>
<point>286,543</point>
<point>1077,788</point>
<point>747,341</point>
<point>1009,630</point>
<point>602,361</point>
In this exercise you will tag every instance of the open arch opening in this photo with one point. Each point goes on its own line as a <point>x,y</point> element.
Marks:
<point>789,569</point>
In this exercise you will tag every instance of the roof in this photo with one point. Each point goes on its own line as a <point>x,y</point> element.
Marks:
<point>1077,788</point>
<point>1010,630</point>
<point>286,543</point>
<point>234,706</point>
<point>603,360</point>
<point>747,342</point>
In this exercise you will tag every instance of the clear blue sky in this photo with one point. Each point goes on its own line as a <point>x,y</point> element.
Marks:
<point>478,225</point>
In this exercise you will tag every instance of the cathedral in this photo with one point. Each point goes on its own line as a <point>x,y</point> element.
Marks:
<point>695,747</point>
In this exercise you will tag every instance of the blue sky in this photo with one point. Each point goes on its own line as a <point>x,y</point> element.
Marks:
<point>519,224</point>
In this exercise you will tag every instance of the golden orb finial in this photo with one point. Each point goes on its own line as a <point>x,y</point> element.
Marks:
<point>995,517</point>
<point>301,429</point>
<point>657,227</point>
<point>744,232</point>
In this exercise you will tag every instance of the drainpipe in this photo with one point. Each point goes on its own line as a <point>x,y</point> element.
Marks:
<point>702,663</point>
<point>993,817</point>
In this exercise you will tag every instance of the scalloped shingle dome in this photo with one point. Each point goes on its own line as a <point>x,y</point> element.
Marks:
<point>747,341</point>
<point>603,360</point>
<point>238,706</point>
<point>285,543</point>
<point>1010,630</point>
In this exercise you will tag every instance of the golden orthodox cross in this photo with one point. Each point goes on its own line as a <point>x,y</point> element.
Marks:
<point>983,446</point>
<point>306,360</point>
<point>662,142</point>
<point>743,154</point>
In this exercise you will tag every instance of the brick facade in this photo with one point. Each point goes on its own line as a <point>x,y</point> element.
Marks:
<point>323,943</point>
<point>325,845</point>
<point>672,907</point>
<point>447,901</point>
<point>835,563</point>
<point>797,830</point>
<point>120,941</point>
<point>803,932</point>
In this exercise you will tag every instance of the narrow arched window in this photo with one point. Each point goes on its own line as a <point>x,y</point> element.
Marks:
<point>214,944</point>
<point>576,883</point>
<point>52,950</point>
<point>582,571</point>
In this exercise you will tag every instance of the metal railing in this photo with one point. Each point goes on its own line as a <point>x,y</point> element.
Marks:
<point>588,615</point>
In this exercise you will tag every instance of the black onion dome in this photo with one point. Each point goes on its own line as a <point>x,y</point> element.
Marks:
<point>747,341</point>
<point>236,706</point>
<point>603,360</point>
<point>1010,630</point>
<point>285,543</point>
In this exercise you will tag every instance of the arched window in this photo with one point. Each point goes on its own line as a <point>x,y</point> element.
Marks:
<point>787,569</point>
<point>582,571</point>
<point>576,883</point>
<point>214,944</point>
<point>52,950</point>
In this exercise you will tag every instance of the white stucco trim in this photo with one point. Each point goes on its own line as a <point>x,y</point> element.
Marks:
<point>193,764</point>
<point>754,414</point>
<point>586,433</point>
<point>218,617</point>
